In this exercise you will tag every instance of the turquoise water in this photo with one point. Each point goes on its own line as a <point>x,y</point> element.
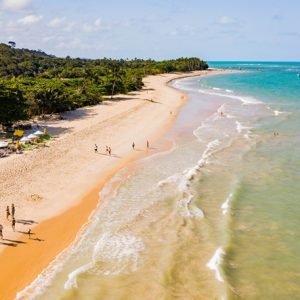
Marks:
<point>273,82</point>
<point>262,258</point>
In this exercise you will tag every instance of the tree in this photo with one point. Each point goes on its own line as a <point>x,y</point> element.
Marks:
<point>115,78</point>
<point>12,105</point>
<point>51,84</point>
<point>49,96</point>
<point>89,93</point>
<point>12,44</point>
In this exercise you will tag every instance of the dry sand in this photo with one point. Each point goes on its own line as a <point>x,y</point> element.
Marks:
<point>56,188</point>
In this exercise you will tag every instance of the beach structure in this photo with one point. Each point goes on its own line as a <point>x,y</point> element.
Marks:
<point>38,133</point>
<point>31,136</point>
<point>3,145</point>
<point>25,140</point>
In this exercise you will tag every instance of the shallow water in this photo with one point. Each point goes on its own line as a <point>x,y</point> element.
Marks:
<point>212,217</point>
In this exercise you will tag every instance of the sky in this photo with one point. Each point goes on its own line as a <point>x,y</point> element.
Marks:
<point>265,30</point>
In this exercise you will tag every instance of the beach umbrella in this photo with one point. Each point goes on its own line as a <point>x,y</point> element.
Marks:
<point>31,136</point>
<point>25,139</point>
<point>3,144</point>
<point>39,133</point>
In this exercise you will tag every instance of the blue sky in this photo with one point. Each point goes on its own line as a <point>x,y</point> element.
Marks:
<point>159,29</point>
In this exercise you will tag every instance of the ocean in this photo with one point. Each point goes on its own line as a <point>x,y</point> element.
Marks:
<point>211,213</point>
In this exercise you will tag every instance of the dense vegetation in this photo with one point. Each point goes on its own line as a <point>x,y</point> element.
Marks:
<point>34,83</point>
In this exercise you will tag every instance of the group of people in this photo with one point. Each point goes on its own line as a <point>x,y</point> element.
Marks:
<point>108,149</point>
<point>147,145</point>
<point>10,216</point>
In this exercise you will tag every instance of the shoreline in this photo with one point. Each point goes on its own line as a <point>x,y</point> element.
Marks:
<point>28,261</point>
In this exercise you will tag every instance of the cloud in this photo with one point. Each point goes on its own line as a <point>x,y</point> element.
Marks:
<point>62,23</point>
<point>225,20</point>
<point>16,5</point>
<point>30,19</point>
<point>56,22</point>
<point>69,26</point>
<point>186,30</point>
<point>94,27</point>
<point>51,38</point>
<point>12,27</point>
<point>75,43</point>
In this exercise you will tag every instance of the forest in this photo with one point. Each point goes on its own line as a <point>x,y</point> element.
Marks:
<point>34,83</point>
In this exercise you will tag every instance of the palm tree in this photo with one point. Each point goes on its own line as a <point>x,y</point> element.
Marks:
<point>115,75</point>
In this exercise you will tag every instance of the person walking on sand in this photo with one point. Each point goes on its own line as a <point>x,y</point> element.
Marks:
<point>13,210</point>
<point>1,231</point>
<point>29,233</point>
<point>96,148</point>
<point>133,145</point>
<point>109,151</point>
<point>13,223</point>
<point>148,144</point>
<point>7,212</point>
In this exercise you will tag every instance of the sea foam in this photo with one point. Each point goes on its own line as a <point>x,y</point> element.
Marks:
<point>244,100</point>
<point>240,127</point>
<point>225,205</point>
<point>118,253</point>
<point>215,263</point>
<point>183,181</point>
<point>185,209</point>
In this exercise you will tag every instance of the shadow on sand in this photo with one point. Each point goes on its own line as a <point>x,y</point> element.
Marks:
<point>112,155</point>
<point>53,126</point>
<point>26,222</point>
<point>30,236</point>
<point>11,243</point>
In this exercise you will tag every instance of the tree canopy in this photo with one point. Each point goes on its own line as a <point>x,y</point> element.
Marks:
<point>39,83</point>
<point>12,105</point>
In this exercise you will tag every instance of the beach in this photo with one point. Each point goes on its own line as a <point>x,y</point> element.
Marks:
<point>55,189</point>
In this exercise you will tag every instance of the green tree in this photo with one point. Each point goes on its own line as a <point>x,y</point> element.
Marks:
<point>49,97</point>
<point>12,105</point>
<point>114,82</point>
<point>50,84</point>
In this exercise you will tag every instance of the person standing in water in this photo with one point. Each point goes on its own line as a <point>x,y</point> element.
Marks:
<point>133,145</point>
<point>96,148</point>
<point>148,144</point>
